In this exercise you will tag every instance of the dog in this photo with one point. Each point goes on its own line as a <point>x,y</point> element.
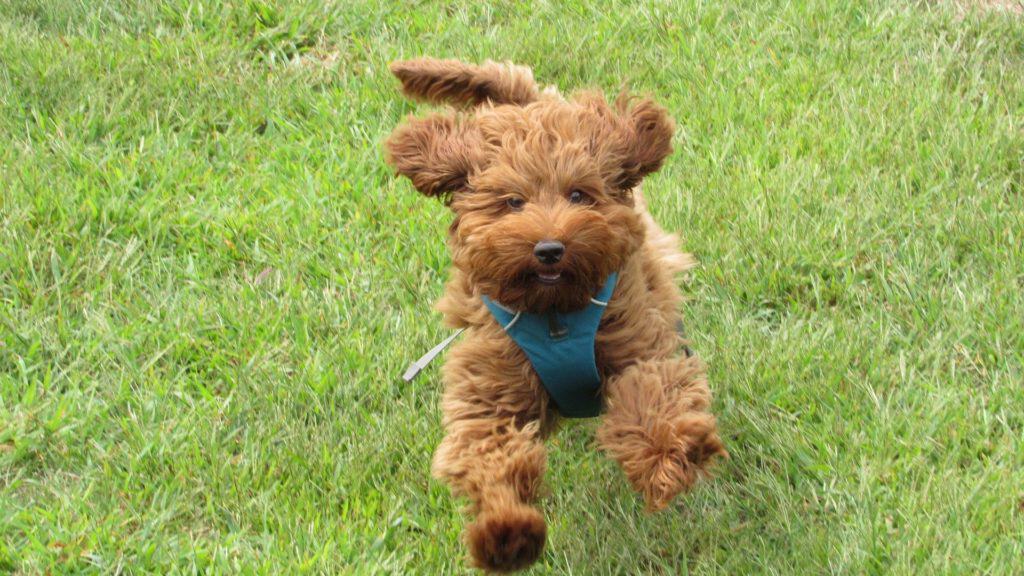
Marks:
<point>565,286</point>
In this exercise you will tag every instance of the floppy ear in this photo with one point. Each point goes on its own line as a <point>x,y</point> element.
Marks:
<point>632,140</point>
<point>648,140</point>
<point>454,82</point>
<point>437,153</point>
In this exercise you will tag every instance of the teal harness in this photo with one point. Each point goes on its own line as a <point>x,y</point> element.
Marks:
<point>560,346</point>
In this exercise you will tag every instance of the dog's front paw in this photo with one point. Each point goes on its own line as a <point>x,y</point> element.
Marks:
<point>508,539</point>
<point>675,456</point>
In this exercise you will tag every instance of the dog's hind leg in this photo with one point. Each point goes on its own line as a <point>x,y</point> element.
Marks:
<point>663,246</point>
<point>498,463</point>
<point>658,428</point>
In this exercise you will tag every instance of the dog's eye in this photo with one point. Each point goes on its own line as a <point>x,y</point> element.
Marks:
<point>579,197</point>
<point>515,203</point>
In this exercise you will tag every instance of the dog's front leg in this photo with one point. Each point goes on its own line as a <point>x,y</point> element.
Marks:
<point>498,462</point>
<point>658,428</point>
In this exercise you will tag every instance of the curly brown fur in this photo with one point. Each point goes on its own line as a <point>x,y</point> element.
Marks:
<point>522,166</point>
<point>455,82</point>
<point>508,540</point>
<point>657,426</point>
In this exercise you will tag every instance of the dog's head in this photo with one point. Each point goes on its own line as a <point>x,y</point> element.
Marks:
<point>540,185</point>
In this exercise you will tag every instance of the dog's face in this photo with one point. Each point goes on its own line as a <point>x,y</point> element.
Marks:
<point>540,187</point>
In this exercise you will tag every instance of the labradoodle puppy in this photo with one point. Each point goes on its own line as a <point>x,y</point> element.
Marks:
<point>565,286</point>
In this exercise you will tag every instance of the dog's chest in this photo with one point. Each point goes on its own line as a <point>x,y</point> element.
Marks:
<point>561,347</point>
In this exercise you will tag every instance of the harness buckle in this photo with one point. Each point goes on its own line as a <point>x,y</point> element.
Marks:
<point>556,330</point>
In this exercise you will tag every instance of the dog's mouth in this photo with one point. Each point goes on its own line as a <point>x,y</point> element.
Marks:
<point>549,278</point>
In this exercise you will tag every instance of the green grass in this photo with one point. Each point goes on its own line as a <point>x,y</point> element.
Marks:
<point>210,283</point>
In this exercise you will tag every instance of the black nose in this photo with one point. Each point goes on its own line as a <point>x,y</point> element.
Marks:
<point>549,251</point>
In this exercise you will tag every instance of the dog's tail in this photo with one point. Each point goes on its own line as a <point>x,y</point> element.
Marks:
<point>455,82</point>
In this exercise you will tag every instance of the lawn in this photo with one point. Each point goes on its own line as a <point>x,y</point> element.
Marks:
<point>210,283</point>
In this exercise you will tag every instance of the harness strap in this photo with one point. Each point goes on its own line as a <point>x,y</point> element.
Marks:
<point>416,367</point>
<point>560,347</point>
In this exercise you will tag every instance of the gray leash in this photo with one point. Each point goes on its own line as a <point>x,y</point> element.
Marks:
<point>417,366</point>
